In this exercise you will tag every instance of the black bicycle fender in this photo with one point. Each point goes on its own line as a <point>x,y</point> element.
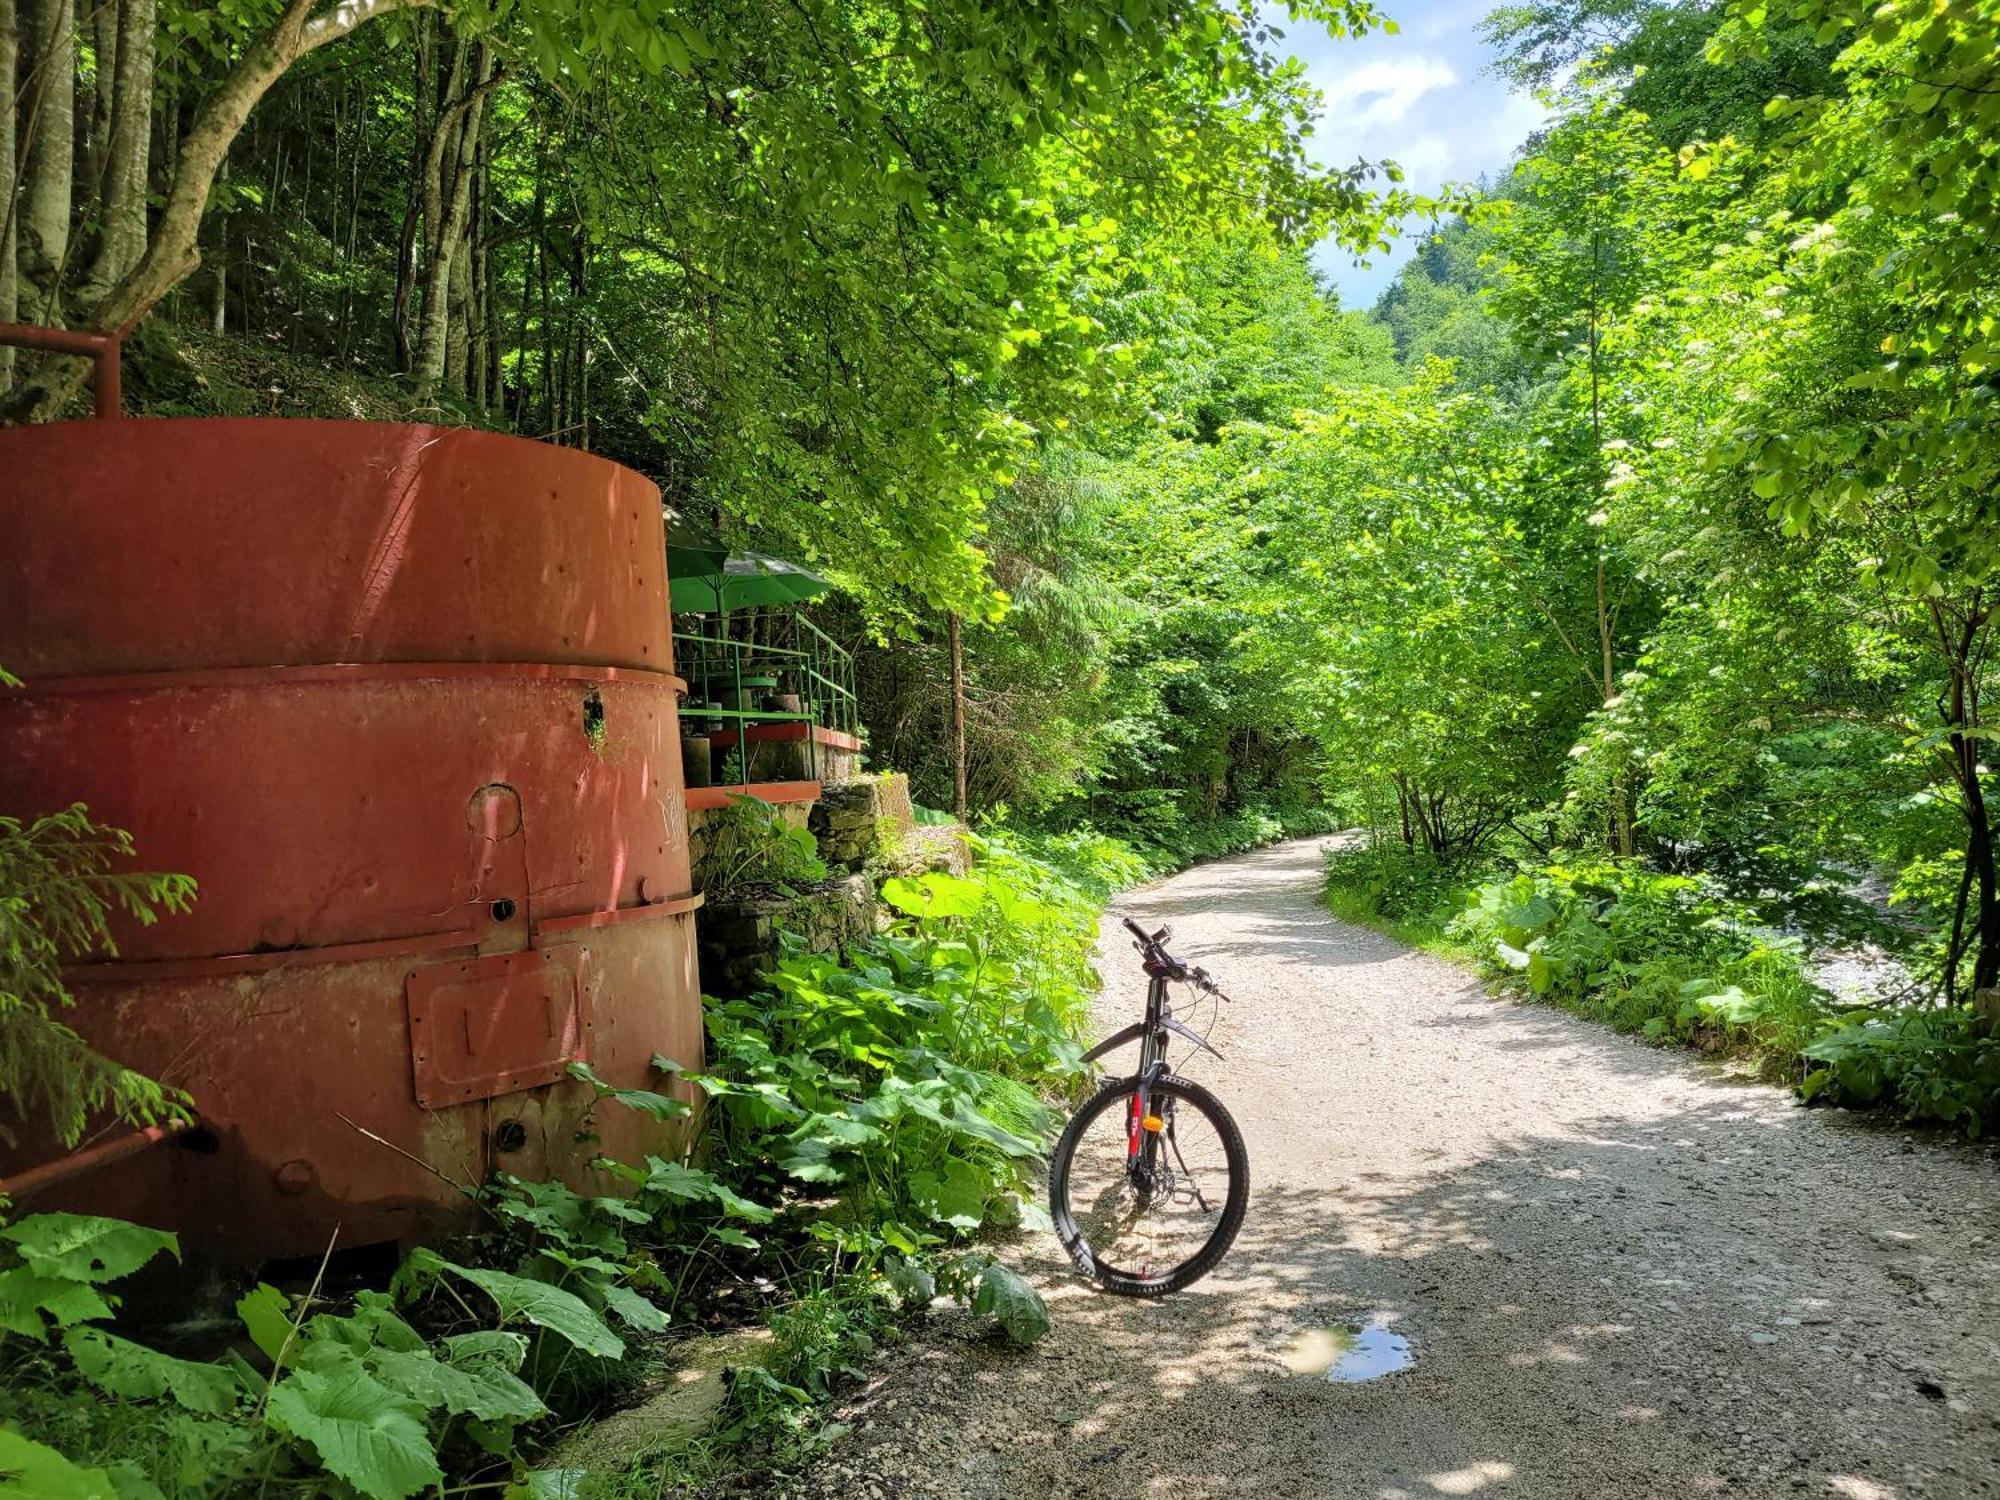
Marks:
<point>1137,1030</point>
<point>1112,1043</point>
<point>1188,1034</point>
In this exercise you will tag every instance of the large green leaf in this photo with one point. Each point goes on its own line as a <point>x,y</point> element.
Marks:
<point>363,1431</point>
<point>489,1348</point>
<point>267,1316</point>
<point>83,1247</point>
<point>119,1367</point>
<point>962,1201</point>
<point>912,1283</point>
<point>481,1390</point>
<point>645,1101</point>
<point>374,1324</point>
<point>561,1313</point>
<point>1006,1296</point>
<point>810,1160</point>
<point>677,1180</point>
<point>31,1471</point>
<point>934,895</point>
<point>26,1299</point>
<point>632,1309</point>
<point>964,1118</point>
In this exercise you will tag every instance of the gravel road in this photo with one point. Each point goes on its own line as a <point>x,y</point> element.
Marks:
<point>1623,1271</point>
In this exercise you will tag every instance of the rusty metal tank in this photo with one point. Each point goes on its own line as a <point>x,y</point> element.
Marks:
<point>401,699</point>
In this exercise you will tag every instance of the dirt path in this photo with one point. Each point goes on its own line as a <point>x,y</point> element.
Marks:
<point>1623,1272</point>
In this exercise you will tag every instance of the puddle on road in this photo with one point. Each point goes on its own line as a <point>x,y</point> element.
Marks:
<point>1347,1355</point>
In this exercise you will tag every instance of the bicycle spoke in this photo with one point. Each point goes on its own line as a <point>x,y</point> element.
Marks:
<point>1143,1220</point>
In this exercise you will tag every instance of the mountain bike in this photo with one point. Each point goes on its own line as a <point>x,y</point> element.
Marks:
<point>1150,1180</point>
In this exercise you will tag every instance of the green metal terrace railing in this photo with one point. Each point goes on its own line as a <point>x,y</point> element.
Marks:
<point>739,684</point>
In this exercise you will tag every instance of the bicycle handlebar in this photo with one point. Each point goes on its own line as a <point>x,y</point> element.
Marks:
<point>1153,945</point>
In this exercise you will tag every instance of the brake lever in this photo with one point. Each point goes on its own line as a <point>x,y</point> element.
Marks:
<point>1207,985</point>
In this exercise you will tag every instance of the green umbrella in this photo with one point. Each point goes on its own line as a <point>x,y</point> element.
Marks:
<point>692,551</point>
<point>743,580</point>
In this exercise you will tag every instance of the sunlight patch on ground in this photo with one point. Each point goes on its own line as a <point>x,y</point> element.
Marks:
<point>1471,1479</point>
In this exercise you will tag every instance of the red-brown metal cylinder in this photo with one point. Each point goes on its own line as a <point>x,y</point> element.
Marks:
<point>401,699</point>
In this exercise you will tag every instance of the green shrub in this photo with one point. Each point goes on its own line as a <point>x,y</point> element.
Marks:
<point>1156,825</point>
<point>1671,957</point>
<point>1663,954</point>
<point>1409,889</point>
<point>751,843</point>
<point>1934,1064</point>
<point>900,1089</point>
<point>1098,864</point>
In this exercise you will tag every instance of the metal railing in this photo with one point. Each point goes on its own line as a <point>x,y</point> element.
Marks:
<point>731,682</point>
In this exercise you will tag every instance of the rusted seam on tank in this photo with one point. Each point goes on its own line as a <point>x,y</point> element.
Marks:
<point>678,907</point>
<point>257,963</point>
<point>335,953</point>
<point>395,671</point>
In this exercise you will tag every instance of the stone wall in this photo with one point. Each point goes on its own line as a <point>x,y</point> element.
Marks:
<point>737,934</point>
<point>864,829</point>
<point>863,819</point>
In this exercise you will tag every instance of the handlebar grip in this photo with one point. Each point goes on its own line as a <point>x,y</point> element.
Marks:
<point>1136,930</point>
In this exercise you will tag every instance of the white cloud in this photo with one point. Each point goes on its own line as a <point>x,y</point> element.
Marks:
<point>1422,98</point>
<point>1427,159</point>
<point>1381,94</point>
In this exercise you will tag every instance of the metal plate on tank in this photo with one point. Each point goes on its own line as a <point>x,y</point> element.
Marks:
<point>496,1025</point>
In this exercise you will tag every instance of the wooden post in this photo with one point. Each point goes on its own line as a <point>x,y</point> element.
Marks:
<point>957,719</point>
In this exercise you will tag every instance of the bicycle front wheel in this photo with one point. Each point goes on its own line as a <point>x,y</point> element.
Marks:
<point>1148,1204</point>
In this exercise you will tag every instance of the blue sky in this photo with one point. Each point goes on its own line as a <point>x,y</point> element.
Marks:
<point>1421,98</point>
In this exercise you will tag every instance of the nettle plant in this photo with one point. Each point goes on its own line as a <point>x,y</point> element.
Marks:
<point>362,1397</point>
<point>890,1104</point>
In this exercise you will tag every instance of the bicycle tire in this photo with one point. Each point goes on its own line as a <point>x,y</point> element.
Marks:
<point>1118,1280</point>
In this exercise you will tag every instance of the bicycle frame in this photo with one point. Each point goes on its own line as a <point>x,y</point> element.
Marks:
<point>1142,1142</point>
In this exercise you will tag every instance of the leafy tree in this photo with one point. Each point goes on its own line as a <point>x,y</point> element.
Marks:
<point>1438,308</point>
<point>835,269</point>
<point>1872,413</point>
<point>1658,52</point>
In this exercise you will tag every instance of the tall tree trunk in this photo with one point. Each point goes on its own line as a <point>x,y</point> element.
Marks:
<point>422,137</point>
<point>10,56</point>
<point>579,259</point>
<point>458,318</point>
<point>218,307</point>
<point>173,252</point>
<point>48,126</point>
<point>475,282</point>
<point>1963,652</point>
<point>1622,838</point>
<point>958,796</point>
<point>103,18</point>
<point>448,243</point>
<point>127,146</point>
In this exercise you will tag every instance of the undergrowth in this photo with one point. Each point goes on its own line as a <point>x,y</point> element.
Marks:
<point>1159,839</point>
<point>1676,959</point>
<point>866,1119</point>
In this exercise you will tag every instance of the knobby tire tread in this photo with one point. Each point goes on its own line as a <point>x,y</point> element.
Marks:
<point>1217,1245</point>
